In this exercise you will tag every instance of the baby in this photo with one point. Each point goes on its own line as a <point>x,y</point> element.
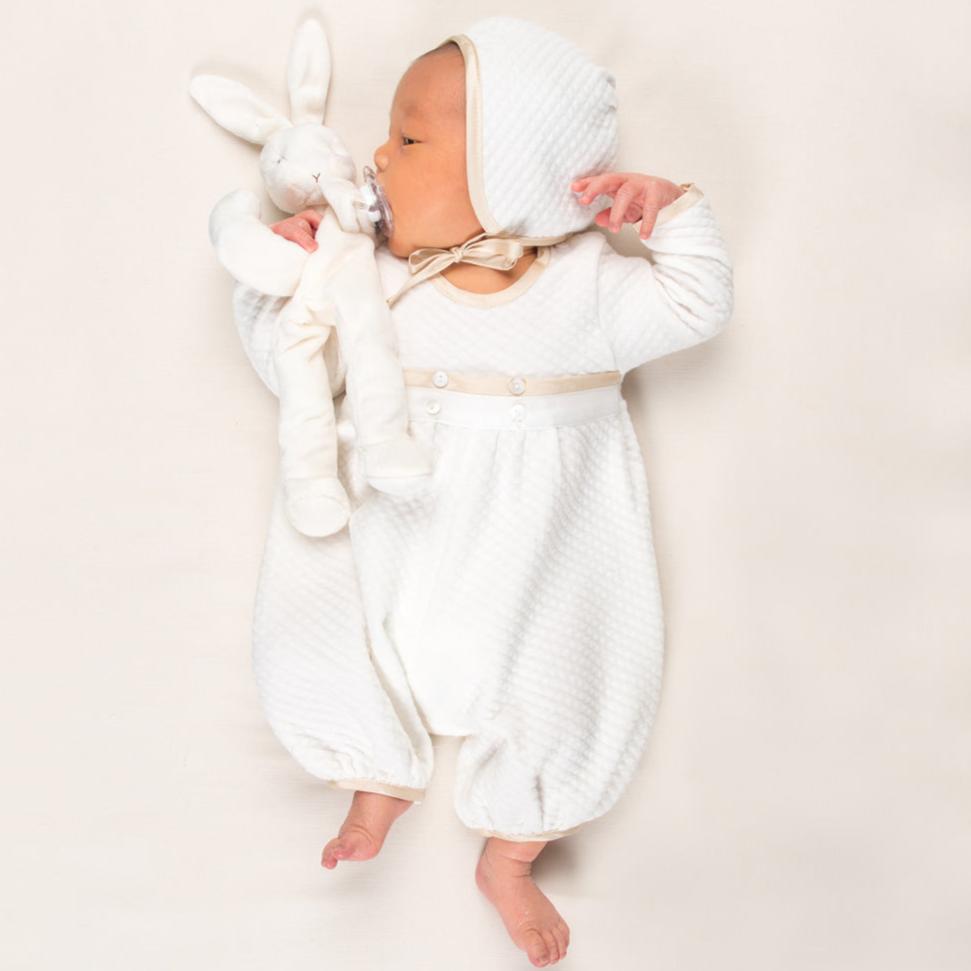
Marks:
<point>515,602</point>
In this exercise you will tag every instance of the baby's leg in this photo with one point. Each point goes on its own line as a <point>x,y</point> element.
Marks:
<point>504,875</point>
<point>365,828</point>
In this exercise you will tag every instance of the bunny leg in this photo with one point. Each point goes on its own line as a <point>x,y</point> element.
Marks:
<point>315,500</point>
<point>393,460</point>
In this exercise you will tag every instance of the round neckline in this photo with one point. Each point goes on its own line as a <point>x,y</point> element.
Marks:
<point>459,295</point>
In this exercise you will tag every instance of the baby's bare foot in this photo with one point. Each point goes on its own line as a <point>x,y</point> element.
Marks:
<point>365,828</point>
<point>503,874</point>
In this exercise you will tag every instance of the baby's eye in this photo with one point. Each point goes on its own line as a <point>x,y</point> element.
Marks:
<point>407,139</point>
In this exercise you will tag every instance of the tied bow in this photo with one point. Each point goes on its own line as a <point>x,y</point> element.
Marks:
<point>499,252</point>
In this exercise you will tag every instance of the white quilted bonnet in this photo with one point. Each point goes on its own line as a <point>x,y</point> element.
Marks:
<point>539,114</point>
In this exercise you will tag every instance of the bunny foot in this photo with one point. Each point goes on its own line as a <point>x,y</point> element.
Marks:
<point>399,466</point>
<point>316,506</point>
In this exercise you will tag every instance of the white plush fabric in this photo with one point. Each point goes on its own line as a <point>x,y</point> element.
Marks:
<point>335,290</point>
<point>539,114</point>
<point>340,299</point>
<point>517,602</point>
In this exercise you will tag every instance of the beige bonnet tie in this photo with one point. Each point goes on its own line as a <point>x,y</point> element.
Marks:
<point>499,252</point>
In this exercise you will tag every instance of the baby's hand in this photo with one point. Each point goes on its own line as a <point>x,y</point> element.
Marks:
<point>635,197</point>
<point>299,228</point>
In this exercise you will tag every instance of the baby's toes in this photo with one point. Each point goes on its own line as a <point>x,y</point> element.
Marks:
<point>333,851</point>
<point>553,944</point>
<point>536,948</point>
<point>352,844</point>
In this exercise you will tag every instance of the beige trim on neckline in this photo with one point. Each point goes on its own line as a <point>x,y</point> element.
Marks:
<point>496,297</point>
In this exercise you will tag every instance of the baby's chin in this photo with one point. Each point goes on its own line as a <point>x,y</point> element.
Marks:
<point>403,245</point>
<point>398,248</point>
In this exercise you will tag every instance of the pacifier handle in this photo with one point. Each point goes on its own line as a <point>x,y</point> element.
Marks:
<point>374,203</point>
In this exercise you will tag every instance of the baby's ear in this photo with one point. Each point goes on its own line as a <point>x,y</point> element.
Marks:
<point>234,107</point>
<point>308,73</point>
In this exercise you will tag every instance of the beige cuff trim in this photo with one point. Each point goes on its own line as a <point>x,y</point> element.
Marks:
<point>385,789</point>
<point>557,834</point>
<point>684,201</point>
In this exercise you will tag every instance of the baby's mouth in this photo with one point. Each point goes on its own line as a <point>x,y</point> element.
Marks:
<point>375,203</point>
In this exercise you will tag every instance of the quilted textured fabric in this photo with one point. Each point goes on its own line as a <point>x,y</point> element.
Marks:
<point>516,602</point>
<point>539,114</point>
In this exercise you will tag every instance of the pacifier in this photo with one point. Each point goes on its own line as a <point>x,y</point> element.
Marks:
<point>375,203</point>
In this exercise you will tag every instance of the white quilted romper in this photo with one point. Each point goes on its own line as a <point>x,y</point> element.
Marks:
<point>515,602</point>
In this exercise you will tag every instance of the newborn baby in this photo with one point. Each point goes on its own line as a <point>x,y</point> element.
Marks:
<point>515,603</point>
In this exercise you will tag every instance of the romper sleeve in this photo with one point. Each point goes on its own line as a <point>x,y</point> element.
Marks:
<point>256,315</point>
<point>678,294</point>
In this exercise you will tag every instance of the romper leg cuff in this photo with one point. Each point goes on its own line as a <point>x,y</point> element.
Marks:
<point>518,838</point>
<point>384,788</point>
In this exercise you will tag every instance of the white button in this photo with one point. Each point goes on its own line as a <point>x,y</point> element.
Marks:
<point>518,412</point>
<point>432,407</point>
<point>517,385</point>
<point>439,379</point>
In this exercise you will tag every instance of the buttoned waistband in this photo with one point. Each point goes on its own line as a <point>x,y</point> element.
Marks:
<point>493,383</point>
<point>483,410</point>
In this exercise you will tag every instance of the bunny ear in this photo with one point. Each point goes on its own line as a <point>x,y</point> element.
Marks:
<point>233,106</point>
<point>308,73</point>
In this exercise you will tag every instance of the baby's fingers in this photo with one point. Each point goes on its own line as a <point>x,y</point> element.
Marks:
<point>595,185</point>
<point>305,239</point>
<point>298,230</point>
<point>627,193</point>
<point>312,217</point>
<point>648,218</point>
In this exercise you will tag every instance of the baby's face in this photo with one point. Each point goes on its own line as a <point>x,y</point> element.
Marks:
<point>421,166</point>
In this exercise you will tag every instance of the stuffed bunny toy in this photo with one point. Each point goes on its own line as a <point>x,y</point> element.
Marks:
<point>305,165</point>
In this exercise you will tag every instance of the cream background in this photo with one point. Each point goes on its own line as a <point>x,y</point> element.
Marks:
<point>805,801</point>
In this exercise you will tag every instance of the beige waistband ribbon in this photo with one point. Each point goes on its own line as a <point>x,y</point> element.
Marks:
<point>499,252</point>
<point>505,384</point>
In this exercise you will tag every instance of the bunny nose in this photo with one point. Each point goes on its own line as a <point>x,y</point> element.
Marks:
<point>316,175</point>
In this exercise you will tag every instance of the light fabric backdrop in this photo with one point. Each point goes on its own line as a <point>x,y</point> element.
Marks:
<point>805,801</point>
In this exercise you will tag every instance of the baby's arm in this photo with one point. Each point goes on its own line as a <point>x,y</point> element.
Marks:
<point>681,295</point>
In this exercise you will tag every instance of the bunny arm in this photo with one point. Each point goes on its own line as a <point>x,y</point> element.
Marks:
<point>258,317</point>
<point>250,250</point>
<point>344,198</point>
<point>264,260</point>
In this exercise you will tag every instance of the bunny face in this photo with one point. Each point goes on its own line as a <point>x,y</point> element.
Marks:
<point>421,166</point>
<point>298,162</point>
<point>302,158</point>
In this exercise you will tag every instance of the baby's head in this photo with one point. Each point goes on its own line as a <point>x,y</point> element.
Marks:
<point>422,166</point>
<point>539,114</point>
